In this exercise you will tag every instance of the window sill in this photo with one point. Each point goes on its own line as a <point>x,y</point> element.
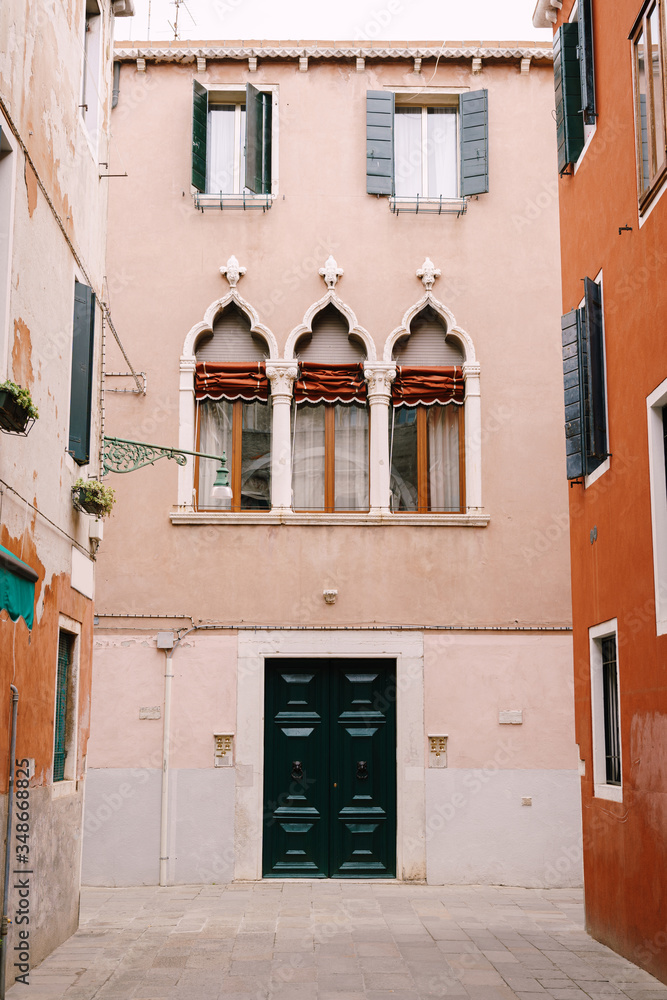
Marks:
<point>472,519</point>
<point>428,206</point>
<point>233,202</point>
<point>60,789</point>
<point>613,793</point>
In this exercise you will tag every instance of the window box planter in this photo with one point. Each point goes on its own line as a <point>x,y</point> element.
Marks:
<point>92,497</point>
<point>17,410</point>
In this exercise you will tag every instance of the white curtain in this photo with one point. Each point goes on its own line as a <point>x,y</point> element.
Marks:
<point>442,152</point>
<point>408,152</point>
<point>308,458</point>
<point>443,457</point>
<point>215,436</point>
<point>351,458</point>
<point>220,150</point>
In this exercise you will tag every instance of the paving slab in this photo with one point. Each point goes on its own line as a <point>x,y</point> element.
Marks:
<point>334,940</point>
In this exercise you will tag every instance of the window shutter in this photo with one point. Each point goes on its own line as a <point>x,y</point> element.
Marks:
<point>60,721</point>
<point>81,386</point>
<point>199,132</point>
<point>567,80</point>
<point>474,115</point>
<point>379,142</point>
<point>596,429</point>
<point>643,124</point>
<point>258,140</point>
<point>574,378</point>
<point>586,64</point>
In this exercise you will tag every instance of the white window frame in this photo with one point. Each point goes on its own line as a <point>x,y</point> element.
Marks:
<point>606,465</point>
<point>655,403</point>
<point>68,785</point>
<point>601,789</point>
<point>234,93</point>
<point>425,98</point>
<point>589,130</point>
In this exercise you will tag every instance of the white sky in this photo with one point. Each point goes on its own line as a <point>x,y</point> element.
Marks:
<point>344,20</point>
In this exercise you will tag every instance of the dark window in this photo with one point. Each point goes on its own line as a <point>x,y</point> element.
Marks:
<point>574,79</point>
<point>63,719</point>
<point>81,386</point>
<point>612,739</point>
<point>426,455</point>
<point>231,142</point>
<point>242,430</point>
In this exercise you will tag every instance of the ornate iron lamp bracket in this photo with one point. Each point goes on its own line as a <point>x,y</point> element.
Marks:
<point>122,455</point>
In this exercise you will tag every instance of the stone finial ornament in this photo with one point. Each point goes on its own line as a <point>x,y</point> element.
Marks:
<point>331,272</point>
<point>232,271</point>
<point>428,272</point>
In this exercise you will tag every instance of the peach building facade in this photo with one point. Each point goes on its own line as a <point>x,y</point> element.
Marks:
<point>338,266</point>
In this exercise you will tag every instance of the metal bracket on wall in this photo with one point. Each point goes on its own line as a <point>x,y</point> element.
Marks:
<point>123,455</point>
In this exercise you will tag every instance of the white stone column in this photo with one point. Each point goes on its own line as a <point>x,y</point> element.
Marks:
<point>379,378</point>
<point>281,375</point>
<point>473,436</point>
<point>186,430</point>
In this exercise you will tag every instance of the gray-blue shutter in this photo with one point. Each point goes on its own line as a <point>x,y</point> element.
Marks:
<point>474,119</point>
<point>643,125</point>
<point>586,63</point>
<point>596,419</point>
<point>81,385</point>
<point>574,384</point>
<point>199,133</point>
<point>379,142</point>
<point>567,81</point>
<point>257,140</point>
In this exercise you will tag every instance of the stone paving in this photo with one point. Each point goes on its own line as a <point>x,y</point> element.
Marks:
<point>334,940</point>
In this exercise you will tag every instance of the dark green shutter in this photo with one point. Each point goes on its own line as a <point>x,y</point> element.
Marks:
<point>379,142</point>
<point>81,386</point>
<point>596,423</point>
<point>586,64</point>
<point>60,721</point>
<point>474,118</point>
<point>199,133</point>
<point>257,140</point>
<point>567,80</point>
<point>574,378</point>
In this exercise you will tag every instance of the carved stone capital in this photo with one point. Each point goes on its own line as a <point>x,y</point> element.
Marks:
<point>281,375</point>
<point>471,373</point>
<point>379,378</point>
<point>232,271</point>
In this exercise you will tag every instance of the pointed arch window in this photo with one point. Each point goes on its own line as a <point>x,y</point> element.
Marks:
<point>427,434</point>
<point>233,414</point>
<point>330,427</point>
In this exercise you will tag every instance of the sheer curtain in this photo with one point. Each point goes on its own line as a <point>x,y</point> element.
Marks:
<point>215,436</point>
<point>351,458</point>
<point>220,151</point>
<point>443,457</point>
<point>408,152</point>
<point>308,457</point>
<point>442,152</point>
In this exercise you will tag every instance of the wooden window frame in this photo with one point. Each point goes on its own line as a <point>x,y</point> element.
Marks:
<point>423,499</point>
<point>235,461</point>
<point>330,463</point>
<point>640,26</point>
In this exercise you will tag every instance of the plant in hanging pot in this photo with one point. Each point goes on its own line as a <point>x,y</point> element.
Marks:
<point>93,497</point>
<point>17,410</point>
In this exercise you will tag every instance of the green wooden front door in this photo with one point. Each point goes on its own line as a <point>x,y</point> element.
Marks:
<point>330,769</point>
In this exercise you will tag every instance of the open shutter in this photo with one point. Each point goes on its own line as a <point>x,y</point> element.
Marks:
<point>258,140</point>
<point>586,64</point>
<point>81,386</point>
<point>596,423</point>
<point>379,142</point>
<point>574,378</point>
<point>199,131</point>
<point>60,721</point>
<point>567,81</point>
<point>474,116</point>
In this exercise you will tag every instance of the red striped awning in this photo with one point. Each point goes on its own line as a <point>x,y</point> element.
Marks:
<point>318,383</point>
<point>226,380</point>
<point>426,386</point>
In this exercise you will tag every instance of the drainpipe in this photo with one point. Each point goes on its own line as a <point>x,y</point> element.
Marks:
<point>4,927</point>
<point>166,724</point>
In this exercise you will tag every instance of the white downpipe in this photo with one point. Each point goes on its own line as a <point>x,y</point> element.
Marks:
<point>164,808</point>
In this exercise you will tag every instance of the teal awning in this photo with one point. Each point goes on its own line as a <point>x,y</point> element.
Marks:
<point>17,587</point>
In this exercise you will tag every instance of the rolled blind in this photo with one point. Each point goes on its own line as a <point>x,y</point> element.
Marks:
<point>330,341</point>
<point>231,340</point>
<point>220,380</point>
<point>426,386</point>
<point>428,344</point>
<point>318,383</point>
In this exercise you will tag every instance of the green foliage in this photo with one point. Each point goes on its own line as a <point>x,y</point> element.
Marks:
<point>22,397</point>
<point>92,493</point>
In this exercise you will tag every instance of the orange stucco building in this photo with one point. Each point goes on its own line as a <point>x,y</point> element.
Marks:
<point>610,88</point>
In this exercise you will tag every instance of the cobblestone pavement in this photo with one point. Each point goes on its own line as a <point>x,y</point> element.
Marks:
<point>334,940</point>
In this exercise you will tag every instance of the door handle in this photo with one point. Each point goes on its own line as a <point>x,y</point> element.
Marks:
<point>362,770</point>
<point>297,770</point>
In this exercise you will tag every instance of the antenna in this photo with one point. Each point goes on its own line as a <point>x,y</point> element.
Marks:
<point>174,27</point>
<point>148,30</point>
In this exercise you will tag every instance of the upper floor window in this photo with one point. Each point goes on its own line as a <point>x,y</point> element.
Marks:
<point>426,436</point>
<point>233,415</point>
<point>657,451</point>
<point>330,432</point>
<point>574,78</point>
<point>81,382</point>
<point>92,48</point>
<point>434,150</point>
<point>231,140</point>
<point>606,711</point>
<point>649,76</point>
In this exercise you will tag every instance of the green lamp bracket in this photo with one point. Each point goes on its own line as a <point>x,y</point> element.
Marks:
<point>122,455</point>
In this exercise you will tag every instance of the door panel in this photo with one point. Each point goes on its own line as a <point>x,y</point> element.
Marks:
<point>330,768</point>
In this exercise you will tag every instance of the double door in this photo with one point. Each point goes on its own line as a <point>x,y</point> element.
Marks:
<point>330,768</point>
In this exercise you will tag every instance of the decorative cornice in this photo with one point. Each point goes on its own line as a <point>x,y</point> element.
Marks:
<point>242,50</point>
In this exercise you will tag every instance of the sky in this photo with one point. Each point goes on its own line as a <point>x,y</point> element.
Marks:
<point>345,20</point>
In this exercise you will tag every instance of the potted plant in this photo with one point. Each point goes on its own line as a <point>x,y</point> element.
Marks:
<point>93,497</point>
<point>17,410</point>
